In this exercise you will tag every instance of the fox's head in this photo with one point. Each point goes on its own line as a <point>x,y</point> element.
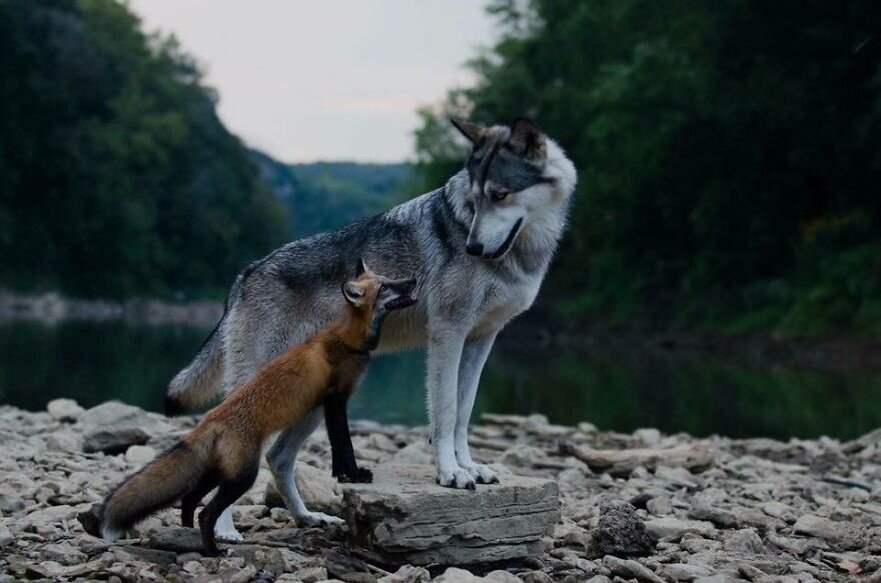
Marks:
<point>516,174</point>
<point>375,296</point>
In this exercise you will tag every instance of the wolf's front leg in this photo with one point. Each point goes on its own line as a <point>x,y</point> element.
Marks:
<point>474,355</point>
<point>444,354</point>
<point>282,458</point>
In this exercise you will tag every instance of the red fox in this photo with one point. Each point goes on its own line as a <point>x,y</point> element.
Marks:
<point>224,449</point>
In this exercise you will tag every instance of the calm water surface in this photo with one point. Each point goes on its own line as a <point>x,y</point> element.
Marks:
<point>94,362</point>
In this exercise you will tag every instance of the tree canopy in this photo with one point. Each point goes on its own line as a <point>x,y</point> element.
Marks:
<point>729,155</point>
<point>116,176</point>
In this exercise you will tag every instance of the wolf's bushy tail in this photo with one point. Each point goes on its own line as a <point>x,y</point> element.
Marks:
<point>199,381</point>
<point>158,485</point>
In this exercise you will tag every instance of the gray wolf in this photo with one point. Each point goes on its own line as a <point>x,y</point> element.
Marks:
<point>479,247</point>
<point>223,450</point>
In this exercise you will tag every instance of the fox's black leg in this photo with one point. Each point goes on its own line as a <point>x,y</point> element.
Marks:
<point>345,469</point>
<point>228,492</point>
<point>192,499</point>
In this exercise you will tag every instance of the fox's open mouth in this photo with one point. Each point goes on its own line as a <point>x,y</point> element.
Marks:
<point>401,302</point>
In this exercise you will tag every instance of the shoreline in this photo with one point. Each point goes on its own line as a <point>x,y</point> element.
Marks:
<point>826,353</point>
<point>733,509</point>
<point>52,308</point>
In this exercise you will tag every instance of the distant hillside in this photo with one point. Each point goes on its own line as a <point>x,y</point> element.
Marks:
<point>324,195</point>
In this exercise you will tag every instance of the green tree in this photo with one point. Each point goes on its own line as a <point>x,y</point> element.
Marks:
<point>116,176</point>
<point>727,154</point>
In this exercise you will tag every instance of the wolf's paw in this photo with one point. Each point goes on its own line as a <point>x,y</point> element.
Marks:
<point>228,535</point>
<point>457,478</point>
<point>308,518</point>
<point>482,474</point>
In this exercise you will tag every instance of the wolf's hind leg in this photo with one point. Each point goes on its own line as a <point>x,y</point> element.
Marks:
<point>474,356</point>
<point>228,492</point>
<point>282,458</point>
<point>192,499</point>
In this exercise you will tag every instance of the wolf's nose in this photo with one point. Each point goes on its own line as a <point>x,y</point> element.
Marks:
<point>474,248</point>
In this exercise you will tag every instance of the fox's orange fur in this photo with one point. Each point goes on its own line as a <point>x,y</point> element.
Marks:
<point>225,447</point>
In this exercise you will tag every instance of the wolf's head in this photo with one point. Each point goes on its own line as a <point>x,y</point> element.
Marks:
<point>516,174</point>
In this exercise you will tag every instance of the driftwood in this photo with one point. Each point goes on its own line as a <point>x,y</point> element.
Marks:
<point>620,462</point>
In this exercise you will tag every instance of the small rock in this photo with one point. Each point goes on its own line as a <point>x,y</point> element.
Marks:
<point>659,506</point>
<point>65,410</point>
<point>745,540</point>
<point>140,454</point>
<point>718,516</point>
<point>457,575</point>
<point>683,571</point>
<point>311,574</point>
<point>619,531</point>
<point>522,456</point>
<point>669,527</point>
<point>407,574</point>
<point>179,540</point>
<point>630,569</point>
<point>648,437</point>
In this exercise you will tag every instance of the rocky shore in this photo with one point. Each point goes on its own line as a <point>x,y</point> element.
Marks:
<point>633,507</point>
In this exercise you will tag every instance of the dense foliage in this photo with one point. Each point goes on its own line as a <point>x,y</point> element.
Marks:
<point>729,155</point>
<point>116,176</point>
<point>321,196</point>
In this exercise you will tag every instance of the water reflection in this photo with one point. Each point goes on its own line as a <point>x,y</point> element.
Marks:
<point>94,362</point>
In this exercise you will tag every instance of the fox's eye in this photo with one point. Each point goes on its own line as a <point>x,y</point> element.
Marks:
<point>497,195</point>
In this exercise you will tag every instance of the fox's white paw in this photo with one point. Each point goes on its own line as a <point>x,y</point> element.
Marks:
<point>308,518</point>
<point>455,478</point>
<point>482,474</point>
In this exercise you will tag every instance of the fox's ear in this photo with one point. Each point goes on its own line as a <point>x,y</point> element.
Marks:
<point>528,140</point>
<point>361,267</point>
<point>353,293</point>
<point>472,131</point>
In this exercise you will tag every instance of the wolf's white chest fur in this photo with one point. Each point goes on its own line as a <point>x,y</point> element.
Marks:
<point>504,302</point>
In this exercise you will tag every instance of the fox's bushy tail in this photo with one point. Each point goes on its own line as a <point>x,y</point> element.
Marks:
<point>158,485</point>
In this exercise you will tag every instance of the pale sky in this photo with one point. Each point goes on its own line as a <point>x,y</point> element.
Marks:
<point>326,79</point>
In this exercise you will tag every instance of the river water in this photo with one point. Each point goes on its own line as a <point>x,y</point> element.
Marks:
<point>93,362</point>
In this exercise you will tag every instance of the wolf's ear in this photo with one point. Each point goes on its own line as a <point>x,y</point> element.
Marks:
<point>361,267</point>
<point>353,293</point>
<point>528,140</point>
<point>472,131</point>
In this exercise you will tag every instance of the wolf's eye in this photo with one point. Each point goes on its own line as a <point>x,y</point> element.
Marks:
<point>497,195</point>
<point>382,288</point>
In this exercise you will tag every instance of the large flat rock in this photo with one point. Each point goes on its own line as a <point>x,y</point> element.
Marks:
<point>404,517</point>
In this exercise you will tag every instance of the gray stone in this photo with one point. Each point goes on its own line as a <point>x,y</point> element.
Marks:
<point>630,569</point>
<point>112,427</point>
<point>407,574</point>
<point>683,571</point>
<point>659,506</point>
<point>406,518</point>
<point>718,516</point>
<point>140,454</point>
<point>65,410</point>
<point>620,532</point>
<point>669,527</point>
<point>745,540</point>
<point>179,540</point>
